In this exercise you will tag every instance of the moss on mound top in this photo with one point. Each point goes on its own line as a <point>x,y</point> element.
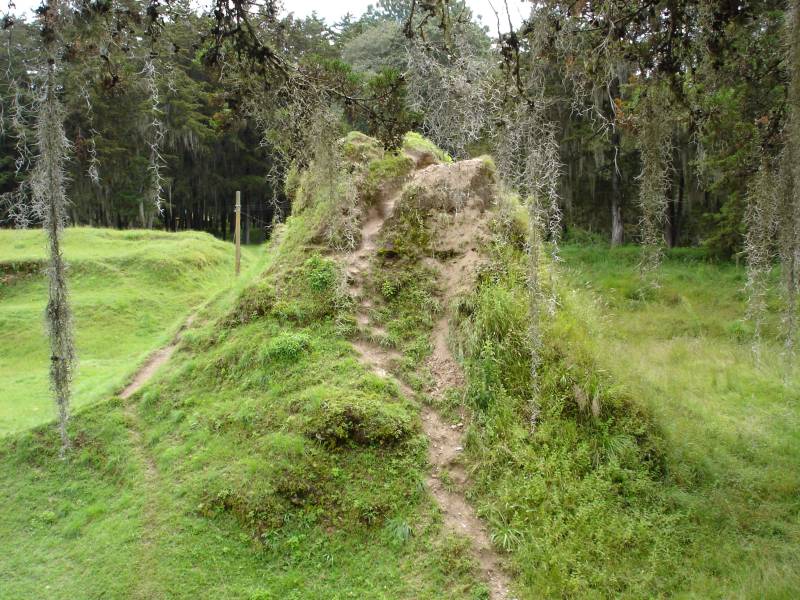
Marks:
<point>358,147</point>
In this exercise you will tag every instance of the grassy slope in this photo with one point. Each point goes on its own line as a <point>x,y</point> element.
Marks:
<point>130,292</point>
<point>269,463</point>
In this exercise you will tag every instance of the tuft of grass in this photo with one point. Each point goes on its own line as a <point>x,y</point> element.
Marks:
<point>729,422</point>
<point>664,462</point>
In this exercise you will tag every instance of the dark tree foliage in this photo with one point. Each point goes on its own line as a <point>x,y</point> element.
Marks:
<point>217,76</point>
<point>229,81</point>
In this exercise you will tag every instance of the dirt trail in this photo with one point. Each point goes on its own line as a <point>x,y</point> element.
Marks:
<point>147,586</point>
<point>158,358</point>
<point>448,478</point>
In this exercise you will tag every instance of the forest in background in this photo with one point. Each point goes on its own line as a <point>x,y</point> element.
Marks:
<point>722,62</point>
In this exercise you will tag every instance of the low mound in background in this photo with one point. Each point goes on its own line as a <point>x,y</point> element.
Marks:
<point>130,291</point>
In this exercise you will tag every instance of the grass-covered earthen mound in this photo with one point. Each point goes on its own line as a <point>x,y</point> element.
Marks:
<point>269,460</point>
<point>264,462</point>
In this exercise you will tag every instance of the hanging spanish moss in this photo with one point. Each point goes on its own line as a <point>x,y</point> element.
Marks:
<point>298,125</point>
<point>762,225</point>
<point>19,127</point>
<point>455,90</point>
<point>527,152</point>
<point>49,201</point>
<point>93,169</point>
<point>156,136</point>
<point>534,306</point>
<point>464,101</point>
<point>655,147</point>
<point>789,219</point>
<point>16,204</point>
<point>527,157</point>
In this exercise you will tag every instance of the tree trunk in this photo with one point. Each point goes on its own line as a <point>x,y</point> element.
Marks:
<point>675,211</point>
<point>790,219</point>
<point>142,220</point>
<point>617,225</point>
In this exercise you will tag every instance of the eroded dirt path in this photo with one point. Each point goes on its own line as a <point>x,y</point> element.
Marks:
<point>146,561</point>
<point>448,479</point>
<point>158,358</point>
<point>147,586</point>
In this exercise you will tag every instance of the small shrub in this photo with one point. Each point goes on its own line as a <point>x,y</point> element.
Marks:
<point>320,273</point>
<point>399,530</point>
<point>358,419</point>
<point>287,346</point>
<point>456,555</point>
<point>740,330</point>
<point>256,301</point>
<point>389,289</point>
<point>642,293</point>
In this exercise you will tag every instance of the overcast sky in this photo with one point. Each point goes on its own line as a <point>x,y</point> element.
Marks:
<point>333,10</point>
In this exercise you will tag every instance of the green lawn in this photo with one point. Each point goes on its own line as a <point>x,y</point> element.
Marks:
<point>732,425</point>
<point>664,462</point>
<point>130,291</point>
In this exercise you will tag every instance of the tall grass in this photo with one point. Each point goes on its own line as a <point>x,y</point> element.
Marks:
<point>665,463</point>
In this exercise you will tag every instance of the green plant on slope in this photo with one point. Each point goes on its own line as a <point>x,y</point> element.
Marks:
<point>594,455</point>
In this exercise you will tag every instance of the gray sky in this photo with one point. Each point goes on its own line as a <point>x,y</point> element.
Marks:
<point>333,10</point>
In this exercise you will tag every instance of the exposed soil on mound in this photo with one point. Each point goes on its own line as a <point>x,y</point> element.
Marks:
<point>451,187</point>
<point>461,191</point>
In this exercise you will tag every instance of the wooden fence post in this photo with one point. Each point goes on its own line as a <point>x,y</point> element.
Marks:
<point>238,231</point>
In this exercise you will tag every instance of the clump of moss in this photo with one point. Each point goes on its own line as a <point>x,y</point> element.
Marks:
<point>287,346</point>
<point>291,183</point>
<point>255,301</point>
<point>414,143</point>
<point>384,172</point>
<point>309,292</point>
<point>337,419</point>
<point>510,223</point>
<point>360,148</point>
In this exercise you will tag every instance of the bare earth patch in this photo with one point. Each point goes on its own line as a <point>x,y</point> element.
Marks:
<point>156,360</point>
